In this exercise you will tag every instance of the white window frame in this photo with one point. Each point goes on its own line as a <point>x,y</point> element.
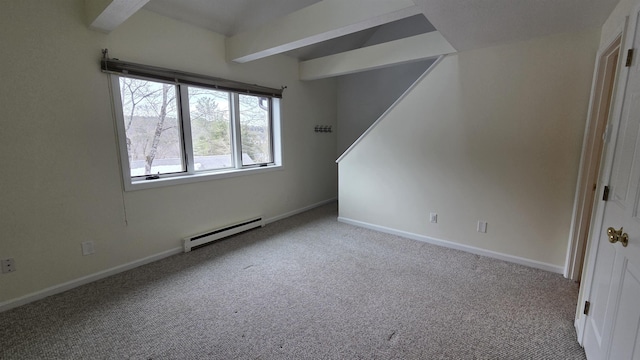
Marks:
<point>190,175</point>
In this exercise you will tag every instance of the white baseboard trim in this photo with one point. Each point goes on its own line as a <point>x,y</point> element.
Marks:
<point>579,325</point>
<point>453,245</point>
<point>57,289</point>
<point>299,211</point>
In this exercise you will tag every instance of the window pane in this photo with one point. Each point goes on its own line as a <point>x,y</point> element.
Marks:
<point>151,126</point>
<point>255,130</point>
<point>210,128</point>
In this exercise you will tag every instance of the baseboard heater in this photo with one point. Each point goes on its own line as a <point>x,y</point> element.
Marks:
<point>217,234</point>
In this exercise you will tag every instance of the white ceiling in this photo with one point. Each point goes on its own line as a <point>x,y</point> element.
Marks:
<point>466,24</point>
<point>398,29</point>
<point>227,17</point>
<point>474,24</point>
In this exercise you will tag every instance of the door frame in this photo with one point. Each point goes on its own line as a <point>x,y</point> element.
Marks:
<point>606,168</point>
<point>600,105</point>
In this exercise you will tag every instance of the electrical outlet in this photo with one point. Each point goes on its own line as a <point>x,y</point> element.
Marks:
<point>88,248</point>
<point>482,226</point>
<point>8,265</point>
<point>433,217</point>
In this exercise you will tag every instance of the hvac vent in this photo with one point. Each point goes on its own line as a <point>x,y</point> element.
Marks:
<point>217,234</point>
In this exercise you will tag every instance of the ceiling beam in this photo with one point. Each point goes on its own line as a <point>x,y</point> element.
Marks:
<point>401,51</point>
<point>106,15</point>
<point>322,21</point>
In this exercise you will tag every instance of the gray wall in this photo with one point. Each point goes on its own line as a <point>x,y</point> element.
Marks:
<point>364,96</point>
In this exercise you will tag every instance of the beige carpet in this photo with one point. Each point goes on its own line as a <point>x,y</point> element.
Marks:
<point>306,287</point>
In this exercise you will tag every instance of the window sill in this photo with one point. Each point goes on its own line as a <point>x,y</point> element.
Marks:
<point>132,185</point>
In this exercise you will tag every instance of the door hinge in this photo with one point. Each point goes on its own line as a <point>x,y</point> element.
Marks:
<point>587,305</point>
<point>605,194</point>
<point>629,58</point>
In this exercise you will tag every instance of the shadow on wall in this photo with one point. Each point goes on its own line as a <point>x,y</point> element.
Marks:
<point>365,96</point>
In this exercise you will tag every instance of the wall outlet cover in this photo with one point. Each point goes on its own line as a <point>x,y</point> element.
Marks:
<point>482,226</point>
<point>88,248</point>
<point>8,265</point>
<point>433,217</point>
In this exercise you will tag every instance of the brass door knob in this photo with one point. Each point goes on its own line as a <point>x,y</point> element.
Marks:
<point>617,235</point>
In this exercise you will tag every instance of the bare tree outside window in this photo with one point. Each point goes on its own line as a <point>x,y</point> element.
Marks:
<point>177,129</point>
<point>151,127</point>
<point>255,128</point>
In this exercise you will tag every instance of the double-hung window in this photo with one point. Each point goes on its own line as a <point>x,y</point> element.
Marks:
<point>176,127</point>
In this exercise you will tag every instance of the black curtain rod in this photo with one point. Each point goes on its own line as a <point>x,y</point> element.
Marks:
<point>119,67</point>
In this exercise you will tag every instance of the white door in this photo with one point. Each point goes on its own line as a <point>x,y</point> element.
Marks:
<point>612,327</point>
